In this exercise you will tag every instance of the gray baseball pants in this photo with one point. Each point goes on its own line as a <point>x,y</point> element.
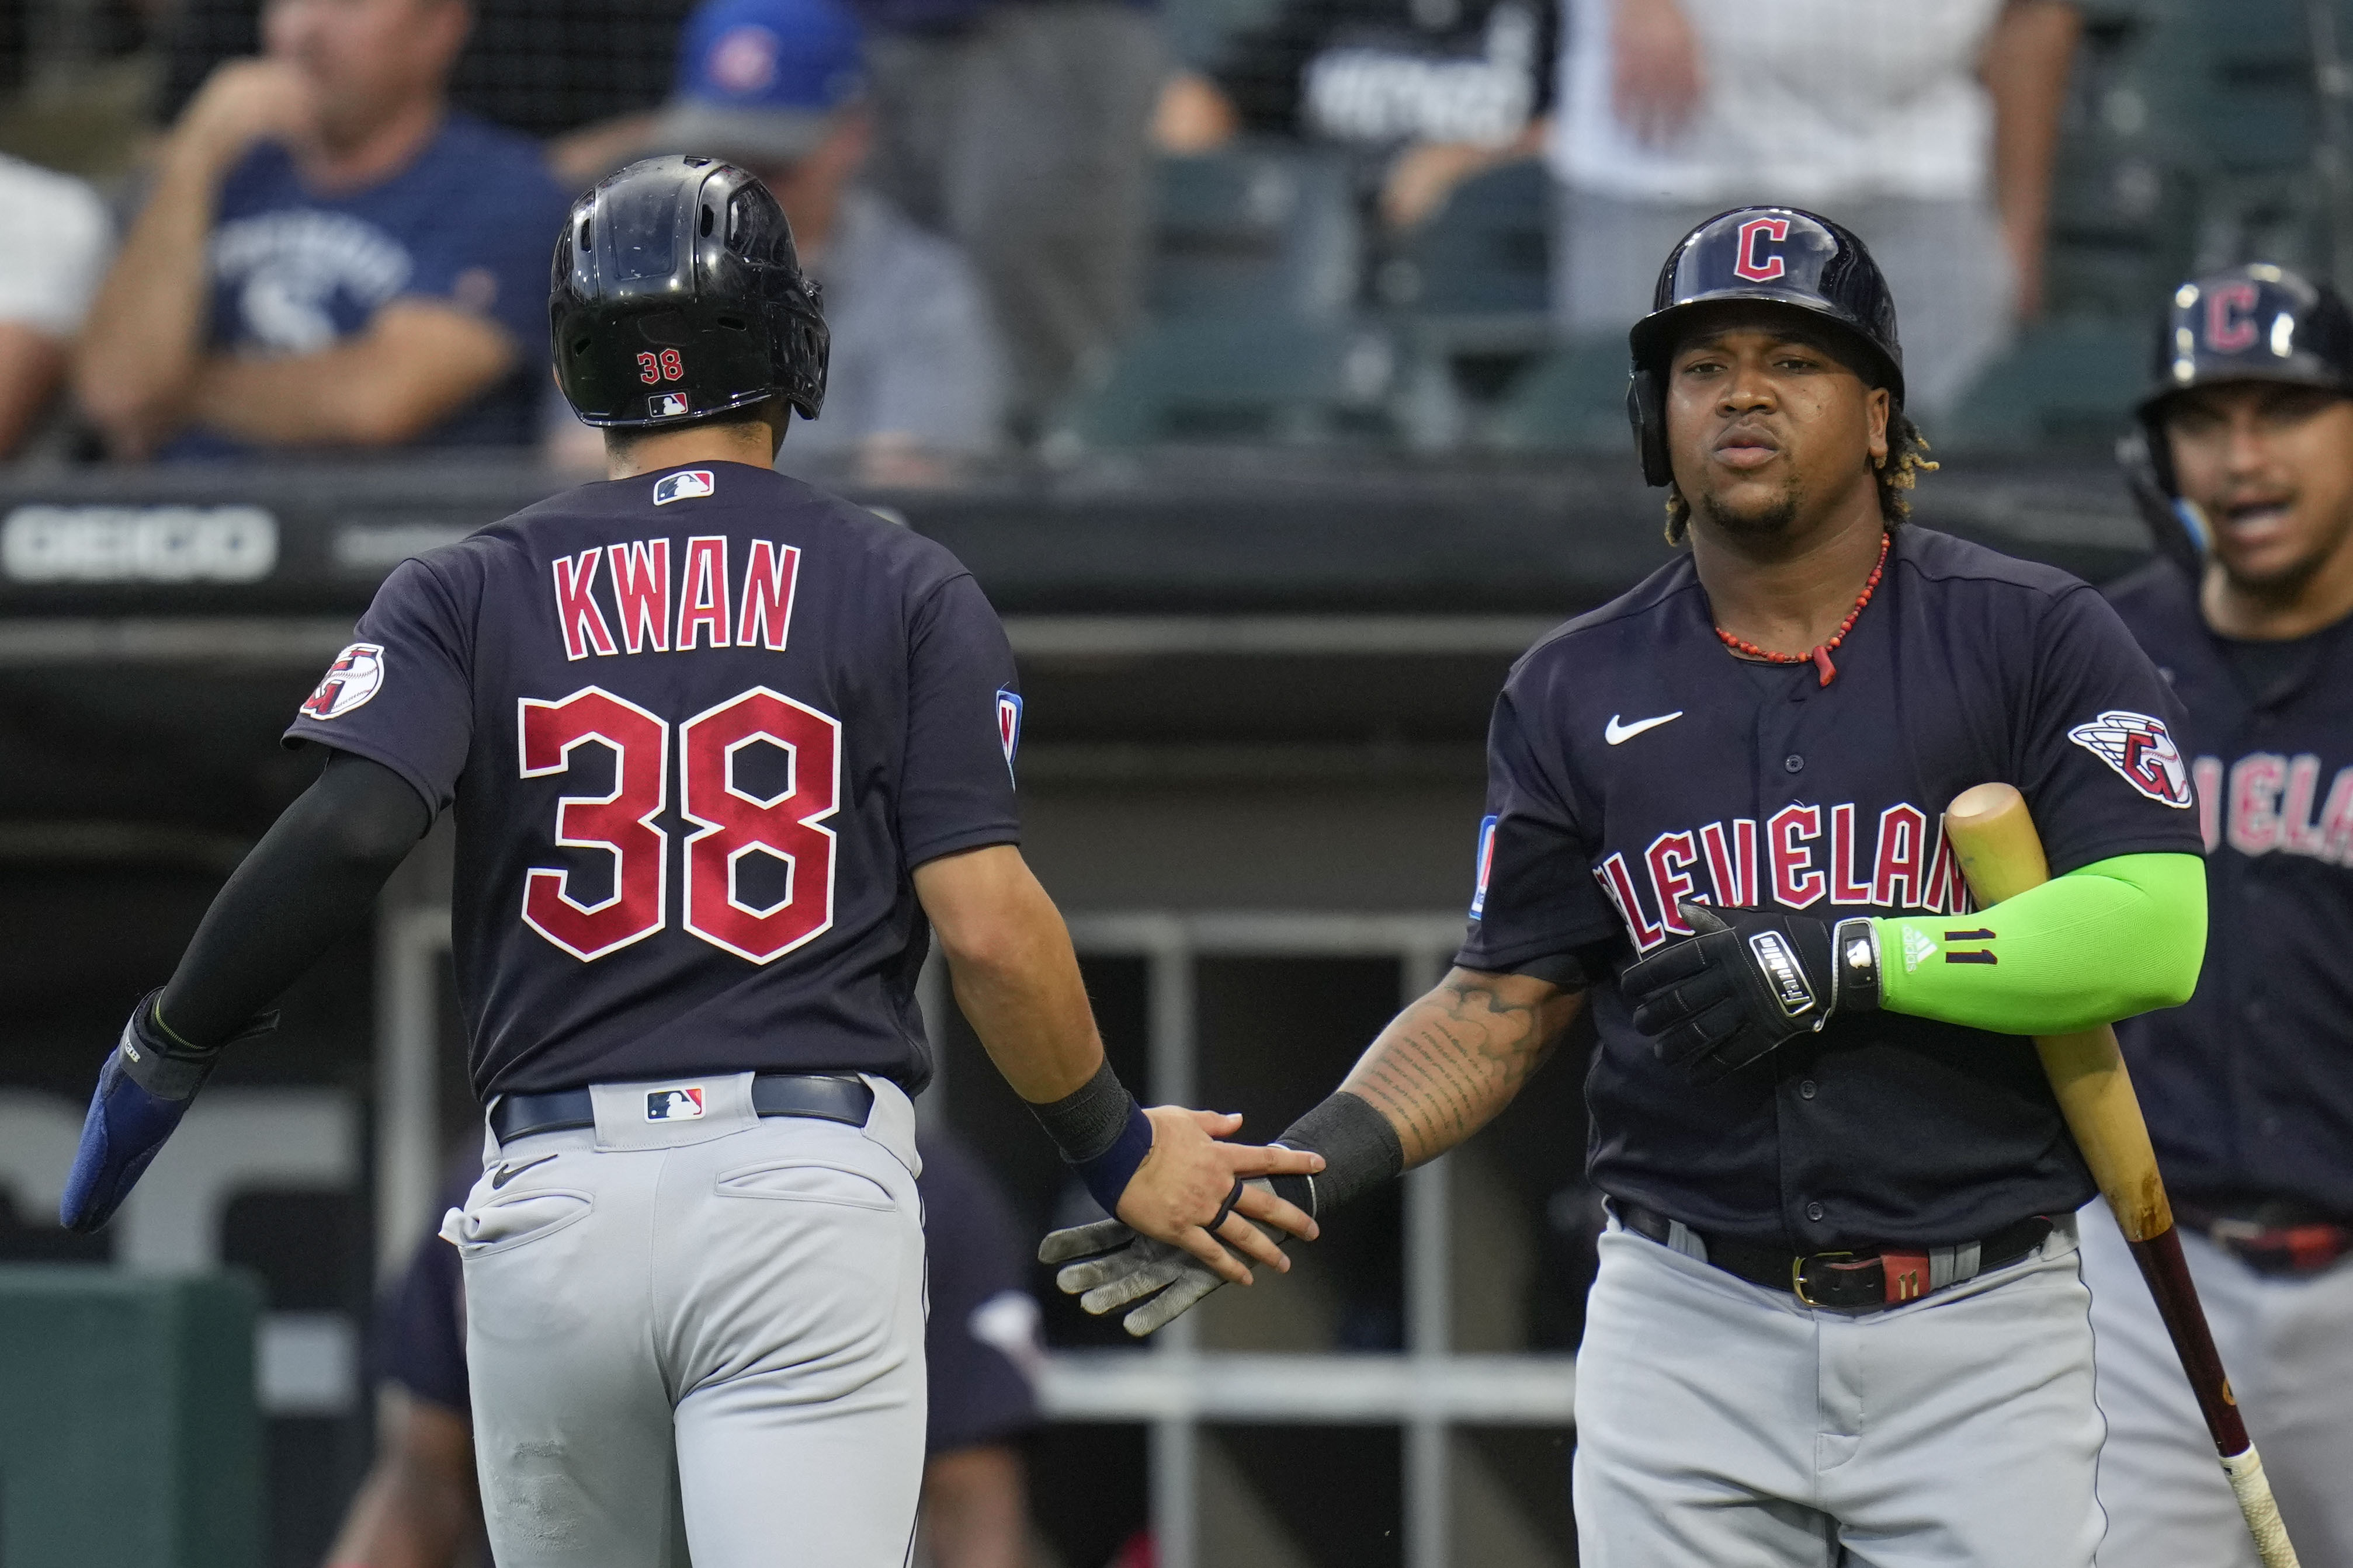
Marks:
<point>1720,1423</point>
<point>2287,1343</point>
<point>698,1340</point>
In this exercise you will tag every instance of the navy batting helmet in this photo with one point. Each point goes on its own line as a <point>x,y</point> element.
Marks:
<point>2257,322</point>
<point>1783,256</point>
<point>676,295</point>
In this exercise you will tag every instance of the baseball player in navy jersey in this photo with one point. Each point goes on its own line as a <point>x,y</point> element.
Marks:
<point>2245,449</point>
<point>1837,1317</point>
<point>722,750</point>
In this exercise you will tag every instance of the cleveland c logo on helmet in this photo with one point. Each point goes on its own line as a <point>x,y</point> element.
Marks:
<point>2231,316</point>
<point>1747,262</point>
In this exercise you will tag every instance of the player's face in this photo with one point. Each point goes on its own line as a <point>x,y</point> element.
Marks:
<point>1767,428</point>
<point>2272,467</point>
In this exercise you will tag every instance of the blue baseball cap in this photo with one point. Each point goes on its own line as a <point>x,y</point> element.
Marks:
<point>759,80</point>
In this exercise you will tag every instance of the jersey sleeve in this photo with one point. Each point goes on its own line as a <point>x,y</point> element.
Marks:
<point>401,694</point>
<point>1537,907</point>
<point>2098,763</point>
<point>964,727</point>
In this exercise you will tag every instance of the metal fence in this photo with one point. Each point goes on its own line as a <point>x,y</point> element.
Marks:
<point>1174,1388</point>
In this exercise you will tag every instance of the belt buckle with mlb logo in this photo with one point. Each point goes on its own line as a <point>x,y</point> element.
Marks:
<point>674,1104</point>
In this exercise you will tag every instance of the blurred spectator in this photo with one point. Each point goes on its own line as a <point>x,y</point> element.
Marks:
<point>1929,130</point>
<point>1437,90</point>
<point>328,256</point>
<point>1021,130</point>
<point>916,375</point>
<point>53,240</point>
<point>420,1507</point>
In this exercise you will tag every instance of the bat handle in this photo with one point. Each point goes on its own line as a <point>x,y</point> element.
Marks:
<point>2259,1508</point>
<point>2167,1273</point>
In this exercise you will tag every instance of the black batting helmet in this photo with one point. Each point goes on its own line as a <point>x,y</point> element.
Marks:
<point>2257,322</point>
<point>1783,256</point>
<point>676,295</point>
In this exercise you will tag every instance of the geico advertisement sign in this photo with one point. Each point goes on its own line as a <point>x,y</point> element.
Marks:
<point>138,544</point>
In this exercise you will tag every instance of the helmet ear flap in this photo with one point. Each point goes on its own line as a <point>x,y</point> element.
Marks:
<point>2175,527</point>
<point>1646,410</point>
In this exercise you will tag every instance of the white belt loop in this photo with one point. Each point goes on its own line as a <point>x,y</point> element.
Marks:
<point>1951,1265</point>
<point>1682,1238</point>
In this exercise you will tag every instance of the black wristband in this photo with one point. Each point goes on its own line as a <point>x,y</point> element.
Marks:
<point>1101,1132</point>
<point>1089,1120</point>
<point>1360,1151</point>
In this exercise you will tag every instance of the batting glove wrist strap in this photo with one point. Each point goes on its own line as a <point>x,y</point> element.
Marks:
<point>1360,1151</point>
<point>1102,1134</point>
<point>142,1091</point>
<point>1854,966</point>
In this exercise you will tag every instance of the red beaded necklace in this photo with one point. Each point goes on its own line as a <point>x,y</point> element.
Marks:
<point>1822,655</point>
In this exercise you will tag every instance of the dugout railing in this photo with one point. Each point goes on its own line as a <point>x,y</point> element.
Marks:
<point>1176,1388</point>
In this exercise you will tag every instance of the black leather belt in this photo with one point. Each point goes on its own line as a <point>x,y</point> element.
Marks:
<point>826,1097</point>
<point>1851,1281</point>
<point>2275,1236</point>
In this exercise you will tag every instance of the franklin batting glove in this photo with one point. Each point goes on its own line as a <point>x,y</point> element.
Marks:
<point>144,1090</point>
<point>1745,983</point>
<point>1115,1264</point>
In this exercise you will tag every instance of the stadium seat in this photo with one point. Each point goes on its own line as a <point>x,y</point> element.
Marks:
<point>2066,382</point>
<point>1280,378</point>
<point>1487,252</point>
<point>1260,230</point>
<point>1469,292</point>
<point>1572,400</point>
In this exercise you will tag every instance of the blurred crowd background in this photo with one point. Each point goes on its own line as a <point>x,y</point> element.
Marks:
<point>1052,226</point>
<point>1265,359</point>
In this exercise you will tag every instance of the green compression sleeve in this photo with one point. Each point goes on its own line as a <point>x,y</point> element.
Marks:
<point>2111,939</point>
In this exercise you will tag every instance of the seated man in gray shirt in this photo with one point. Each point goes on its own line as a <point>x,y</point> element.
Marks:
<point>917,380</point>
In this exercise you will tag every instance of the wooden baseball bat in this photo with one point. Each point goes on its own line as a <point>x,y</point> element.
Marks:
<point>2000,853</point>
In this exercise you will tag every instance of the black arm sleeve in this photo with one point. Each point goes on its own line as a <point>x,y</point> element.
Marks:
<point>314,875</point>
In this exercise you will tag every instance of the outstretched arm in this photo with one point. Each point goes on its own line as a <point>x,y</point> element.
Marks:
<point>1452,1059</point>
<point>1441,1071</point>
<point>314,875</point>
<point>1016,979</point>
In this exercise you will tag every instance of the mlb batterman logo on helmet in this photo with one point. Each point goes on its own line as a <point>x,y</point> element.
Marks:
<point>356,675</point>
<point>2139,748</point>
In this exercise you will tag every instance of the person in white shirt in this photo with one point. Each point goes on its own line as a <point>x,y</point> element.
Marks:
<point>1926,126</point>
<point>54,238</point>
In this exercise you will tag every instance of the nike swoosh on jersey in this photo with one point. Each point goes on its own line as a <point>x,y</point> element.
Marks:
<point>1618,734</point>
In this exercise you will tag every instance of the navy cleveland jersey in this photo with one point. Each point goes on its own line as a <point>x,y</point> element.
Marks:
<point>2248,1088</point>
<point>699,727</point>
<point>1634,763</point>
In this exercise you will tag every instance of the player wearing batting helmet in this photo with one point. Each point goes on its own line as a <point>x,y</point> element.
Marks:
<point>2244,460</point>
<point>722,750</point>
<point>1838,1315</point>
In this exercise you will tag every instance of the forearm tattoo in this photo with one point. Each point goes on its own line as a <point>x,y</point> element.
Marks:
<point>1453,1059</point>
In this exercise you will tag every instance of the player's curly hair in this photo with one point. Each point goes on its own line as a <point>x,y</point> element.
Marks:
<point>1907,460</point>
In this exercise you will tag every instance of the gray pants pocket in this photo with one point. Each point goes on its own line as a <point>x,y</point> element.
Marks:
<point>805,1180</point>
<point>514,1220</point>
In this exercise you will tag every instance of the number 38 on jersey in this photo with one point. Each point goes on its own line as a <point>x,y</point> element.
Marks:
<point>731,822</point>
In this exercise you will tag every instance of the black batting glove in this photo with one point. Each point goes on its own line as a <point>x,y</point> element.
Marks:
<point>1747,983</point>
